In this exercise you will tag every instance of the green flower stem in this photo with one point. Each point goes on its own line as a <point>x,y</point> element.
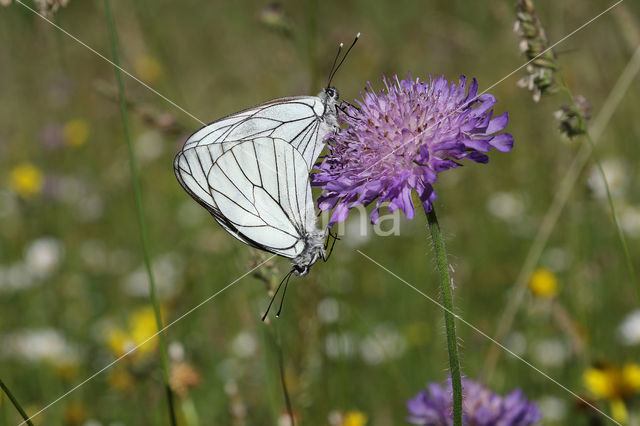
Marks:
<point>140,213</point>
<point>15,403</point>
<point>449,316</point>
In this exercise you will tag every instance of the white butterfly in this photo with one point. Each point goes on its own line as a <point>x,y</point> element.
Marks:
<point>250,170</point>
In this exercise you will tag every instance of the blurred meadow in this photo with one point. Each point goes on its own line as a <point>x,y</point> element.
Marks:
<point>355,343</point>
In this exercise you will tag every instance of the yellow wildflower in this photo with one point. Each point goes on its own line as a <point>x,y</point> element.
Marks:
<point>615,384</point>
<point>354,418</point>
<point>148,68</point>
<point>143,326</point>
<point>619,411</point>
<point>141,329</point>
<point>75,132</point>
<point>26,179</point>
<point>119,342</point>
<point>543,284</point>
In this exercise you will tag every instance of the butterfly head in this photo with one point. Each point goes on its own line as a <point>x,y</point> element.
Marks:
<point>331,93</point>
<point>301,270</point>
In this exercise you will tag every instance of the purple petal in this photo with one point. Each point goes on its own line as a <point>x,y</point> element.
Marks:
<point>502,142</point>
<point>498,123</point>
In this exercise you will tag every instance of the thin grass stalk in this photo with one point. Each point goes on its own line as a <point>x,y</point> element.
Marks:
<point>612,207</point>
<point>15,403</point>
<point>553,213</point>
<point>449,318</point>
<point>140,213</point>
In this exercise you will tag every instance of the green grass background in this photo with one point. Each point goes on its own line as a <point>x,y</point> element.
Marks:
<point>216,58</point>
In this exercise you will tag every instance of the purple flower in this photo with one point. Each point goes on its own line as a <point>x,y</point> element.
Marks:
<point>480,407</point>
<point>401,138</point>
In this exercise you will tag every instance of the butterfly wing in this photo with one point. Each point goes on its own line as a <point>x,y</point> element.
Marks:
<point>262,193</point>
<point>294,119</point>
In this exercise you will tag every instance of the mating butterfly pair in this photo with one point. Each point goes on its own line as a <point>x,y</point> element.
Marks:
<point>250,170</point>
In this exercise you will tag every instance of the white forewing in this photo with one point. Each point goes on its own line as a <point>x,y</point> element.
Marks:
<point>294,119</point>
<point>266,206</point>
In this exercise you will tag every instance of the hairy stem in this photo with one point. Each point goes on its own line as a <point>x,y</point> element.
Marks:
<point>449,316</point>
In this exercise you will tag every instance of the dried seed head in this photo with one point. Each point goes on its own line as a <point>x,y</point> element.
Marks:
<point>534,44</point>
<point>184,377</point>
<point>48,8</point>
<point>573,118</point>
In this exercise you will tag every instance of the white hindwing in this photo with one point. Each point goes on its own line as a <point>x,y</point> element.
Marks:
<point>296,120</point>
<point>261,189</point>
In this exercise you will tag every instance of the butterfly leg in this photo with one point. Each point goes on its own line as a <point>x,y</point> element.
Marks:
<point>335,238</point>
<point>345,110</point>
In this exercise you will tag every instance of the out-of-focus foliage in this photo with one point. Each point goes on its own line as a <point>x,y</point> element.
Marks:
<point>356,342</point>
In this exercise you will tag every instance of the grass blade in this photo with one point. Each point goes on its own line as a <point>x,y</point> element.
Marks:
<point>140,212</point>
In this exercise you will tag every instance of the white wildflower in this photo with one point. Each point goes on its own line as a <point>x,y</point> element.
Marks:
<point>384,344</point>
<point>629,330</point>
<point>505,205</point>
<point>328,310</point>
<point>616,173</point>
<point>244,345</point>
<point>43,256</point>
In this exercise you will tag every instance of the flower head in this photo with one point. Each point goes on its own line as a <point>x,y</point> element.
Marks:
<point>354,418</point>
<point>401,138</point>
<point>615,384</point>
<point>48,8</point>
<point>141,328</point>
<point>543,284</point>
<point>480,406</point>
<point>573,118</point>
<point>629,330</point>
<point>26,179</point>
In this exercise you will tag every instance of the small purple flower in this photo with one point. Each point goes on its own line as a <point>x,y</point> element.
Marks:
<point>401,138</point>
<point>480,407</point>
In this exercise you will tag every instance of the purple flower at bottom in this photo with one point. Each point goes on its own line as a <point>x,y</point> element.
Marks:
<point>480,407</point>
<point>401,138</point>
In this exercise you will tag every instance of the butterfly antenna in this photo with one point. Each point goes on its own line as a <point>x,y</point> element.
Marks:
<point>284,293</point>
<point>335,61</point>
<point>335,69</point>
<point>286,277</point>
